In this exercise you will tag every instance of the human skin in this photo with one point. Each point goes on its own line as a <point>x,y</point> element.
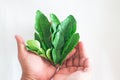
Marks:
<point>35,67</point>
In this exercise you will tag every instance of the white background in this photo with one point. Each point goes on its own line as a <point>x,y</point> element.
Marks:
<point>98,22</point>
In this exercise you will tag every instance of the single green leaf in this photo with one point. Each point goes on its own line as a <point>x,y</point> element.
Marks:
<point>55,56</point>
<point>33,44</point>
<point>68,27</point>
<point>31,50</point>
<point>48,54</point>
<point>69,46</point>
<point>42,44</point>
<point>41,50</point>
<point>42,26</point>
<point>42,53</point>
<point>54,22</point>
<point>58,41</point>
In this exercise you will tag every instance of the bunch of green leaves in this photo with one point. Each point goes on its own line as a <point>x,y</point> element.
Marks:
<point>53,40</point>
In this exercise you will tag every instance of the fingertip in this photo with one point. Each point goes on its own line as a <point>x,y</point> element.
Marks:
<point>19,39</point>
<point>20,43</point>
<point>17,36</point>
<point>80,44</point>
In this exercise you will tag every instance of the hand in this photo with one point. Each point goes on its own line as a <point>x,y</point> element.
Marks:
<point>76,62</point>
<point>33,66</point>
<point>37,68</point>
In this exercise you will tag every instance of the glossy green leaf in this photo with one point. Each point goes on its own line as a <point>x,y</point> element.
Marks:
<point>42,26</point>
<point>54,22</point>
<point>58,41</point>
<point>55,56</point>
<point>68,27</point>
<point>69,46</point>
<point>42,53</point>
<point>42,44</point>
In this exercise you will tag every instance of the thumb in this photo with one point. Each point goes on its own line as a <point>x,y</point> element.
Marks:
<point>21,46</point>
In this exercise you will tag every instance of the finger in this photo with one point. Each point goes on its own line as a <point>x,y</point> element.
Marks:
<point>21,45</point>
<point>80,68</point>
<point>81,49</point>
<point>76,59</point>
<point>69,62</point>
<point>82,60</point>
<point>71,53</point>
<point>63,71</point>
<point>86,64</point>
<point>64,64</point>
<point>77,45</point>
<point>72,69</point>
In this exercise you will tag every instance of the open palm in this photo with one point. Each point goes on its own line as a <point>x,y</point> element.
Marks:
<point>76,62</point>
<point>37,68</point>
<point>33,66</point>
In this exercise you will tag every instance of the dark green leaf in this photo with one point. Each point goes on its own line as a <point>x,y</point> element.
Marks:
<point>42,26</point>
<point>55,56</point>
<point>68,27</point>
<point>58,41</point>
<point>54,22</point>
<point>42,44</point>
<point>69,46</point>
